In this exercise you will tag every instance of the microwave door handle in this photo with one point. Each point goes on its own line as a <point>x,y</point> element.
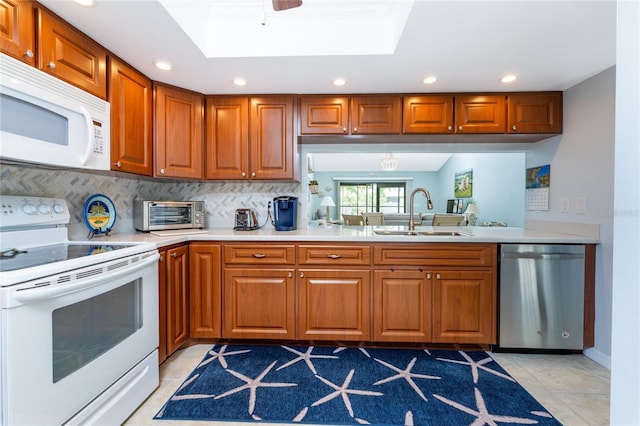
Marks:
<point>91,145</point>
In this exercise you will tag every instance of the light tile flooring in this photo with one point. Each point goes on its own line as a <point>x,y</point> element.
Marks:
<point>574,388</point>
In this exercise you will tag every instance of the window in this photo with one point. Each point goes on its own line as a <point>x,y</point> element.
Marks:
<point>385,197</point>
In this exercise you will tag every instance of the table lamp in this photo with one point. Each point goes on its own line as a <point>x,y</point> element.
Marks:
<point>327,202</point>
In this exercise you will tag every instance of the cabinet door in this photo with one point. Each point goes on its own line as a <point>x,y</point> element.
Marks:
<point>71,56</point>
<point>535,113</point>
<point>324,115</point>
<point>333,304</point>
<point>179,133</point>
<point>376,115</point>
<point>16,30</point>
<point>162,306</point>
<point>427,114</point>
<point>401,306</point>
<point>177,297</point>
<point>227,137</point>
<point>205,290</point>
<point>273,148</point>
<point>259,303</point>
<point>480,114</point>
<point>131,97</point>
<point>464,307</point>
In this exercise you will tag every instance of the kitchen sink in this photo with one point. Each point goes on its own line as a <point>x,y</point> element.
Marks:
<point>423,233</point>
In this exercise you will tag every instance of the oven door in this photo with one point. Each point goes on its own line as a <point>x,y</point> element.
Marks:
<point>64,343</point>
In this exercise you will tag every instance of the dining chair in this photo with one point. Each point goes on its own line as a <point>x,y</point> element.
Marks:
<point>353,219</point>
<point>373,218</point>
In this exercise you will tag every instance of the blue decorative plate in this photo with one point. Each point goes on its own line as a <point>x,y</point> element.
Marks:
<point>99,214</point>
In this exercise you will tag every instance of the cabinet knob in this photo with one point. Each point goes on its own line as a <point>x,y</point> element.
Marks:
<point>449,128</point>
<point>437,276</point>
<point>344,130</point>
<point>118,164</point>
<point>460,128</point>
<point>174,254</point>
<point>301,274</point>
<point>253,174</point>
<point>289,275</point>
<point>428,276</point>
<point>51,65</point>
<point>161,258</point>
<point>514,128</point>
<point>29,53</point>
<point>244,174</point>
<point>161,171</point>
<point>355,130</point>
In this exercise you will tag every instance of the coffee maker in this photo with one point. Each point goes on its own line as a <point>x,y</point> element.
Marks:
<point>285,213</point>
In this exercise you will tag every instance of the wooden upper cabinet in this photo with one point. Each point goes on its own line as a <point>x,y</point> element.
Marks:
<point>69,55</point>
<point>179,143</point>
<point>534,112</point>
<point>227,137</point>
<point>131,97</point>
<point>324,115</point>
<point>273,149</point>
<point>427,114</point>
<point>17,35</point>
<point>480,114</point>
<point>376,115</point>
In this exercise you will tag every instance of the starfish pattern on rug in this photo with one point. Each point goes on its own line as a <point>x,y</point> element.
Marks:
<point>361,349</point>
<point>344,392</point>
<point>483,417</point>
<point>476,365</point>
<point>405,374</point>
<point>306,357</point>
<point>253,385</point>
<point>220,356</point>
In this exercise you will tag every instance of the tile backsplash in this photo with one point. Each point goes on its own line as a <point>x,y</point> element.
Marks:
<point>221,198</point>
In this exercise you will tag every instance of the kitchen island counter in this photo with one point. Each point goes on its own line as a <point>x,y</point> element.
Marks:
<point>367,234</point>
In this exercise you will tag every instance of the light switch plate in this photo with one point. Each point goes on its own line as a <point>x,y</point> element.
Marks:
<point>564,205</point>
<point>581,205</point>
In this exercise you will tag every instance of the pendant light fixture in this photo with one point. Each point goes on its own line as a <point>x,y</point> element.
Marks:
<point>389,163</point>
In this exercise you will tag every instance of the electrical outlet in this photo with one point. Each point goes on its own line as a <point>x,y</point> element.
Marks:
<point>581,205</point>
<point>565,205</point>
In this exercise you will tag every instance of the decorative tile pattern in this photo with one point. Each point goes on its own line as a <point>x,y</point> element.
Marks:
<point>221,198</point>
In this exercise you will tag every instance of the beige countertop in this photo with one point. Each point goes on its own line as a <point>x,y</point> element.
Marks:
<point>366,234</point>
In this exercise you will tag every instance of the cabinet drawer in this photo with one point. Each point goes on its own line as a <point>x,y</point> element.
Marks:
<point>332,255</point>
<point>436,255</point>
<point>262,254</point>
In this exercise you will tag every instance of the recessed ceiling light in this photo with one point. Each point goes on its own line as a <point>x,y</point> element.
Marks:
<point>165,66</point>
<point>508,78</point>
<point>239,82</point>
<point>429,80</point>
<point>84,2</point>
<point>339,82</point>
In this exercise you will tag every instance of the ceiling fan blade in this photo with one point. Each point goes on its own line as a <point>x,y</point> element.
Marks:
<point>286,4</point>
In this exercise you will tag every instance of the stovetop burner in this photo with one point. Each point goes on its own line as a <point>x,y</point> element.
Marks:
<point>14,259</point>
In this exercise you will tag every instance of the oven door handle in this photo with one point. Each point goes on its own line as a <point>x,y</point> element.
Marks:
<point>37,294</point>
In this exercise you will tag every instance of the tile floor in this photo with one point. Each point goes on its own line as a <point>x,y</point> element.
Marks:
<point>574,388</point>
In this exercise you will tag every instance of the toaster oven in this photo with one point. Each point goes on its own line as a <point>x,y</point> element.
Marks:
<point>161,215</point>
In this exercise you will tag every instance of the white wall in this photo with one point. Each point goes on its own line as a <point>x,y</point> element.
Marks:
<point>625,356</point>
<point>498,184</point>
<point>582,167</point>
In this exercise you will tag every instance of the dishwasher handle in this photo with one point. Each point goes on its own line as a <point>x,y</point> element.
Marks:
<point>545,256</point>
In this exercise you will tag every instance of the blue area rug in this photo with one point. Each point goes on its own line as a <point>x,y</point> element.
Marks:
<point>352,385</point>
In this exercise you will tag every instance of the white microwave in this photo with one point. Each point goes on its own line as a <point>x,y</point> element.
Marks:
<point>47,121</point>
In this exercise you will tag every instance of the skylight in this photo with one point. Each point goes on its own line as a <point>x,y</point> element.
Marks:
<point>251,28</point>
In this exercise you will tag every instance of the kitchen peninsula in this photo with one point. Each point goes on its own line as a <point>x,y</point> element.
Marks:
<point>342,283</point>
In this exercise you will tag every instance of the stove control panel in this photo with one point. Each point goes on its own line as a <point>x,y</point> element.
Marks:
<point>26,211</point>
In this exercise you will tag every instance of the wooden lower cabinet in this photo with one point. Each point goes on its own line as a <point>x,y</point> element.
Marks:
<point>259,303</point>
<point>205,291</point>
<point>173,299</point>
<point>333,304</point>
<point>464,306</point>
<point>402,306</point>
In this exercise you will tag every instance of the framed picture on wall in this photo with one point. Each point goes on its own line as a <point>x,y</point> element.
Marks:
<point>463,184</point>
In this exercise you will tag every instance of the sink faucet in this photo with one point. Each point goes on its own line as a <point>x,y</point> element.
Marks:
<point>412,225</point>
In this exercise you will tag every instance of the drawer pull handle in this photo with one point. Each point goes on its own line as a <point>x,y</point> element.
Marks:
<point>334,256</point>
<point>259,255</point>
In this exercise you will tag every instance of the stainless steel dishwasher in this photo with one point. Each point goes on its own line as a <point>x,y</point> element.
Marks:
<point>541,296</point>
